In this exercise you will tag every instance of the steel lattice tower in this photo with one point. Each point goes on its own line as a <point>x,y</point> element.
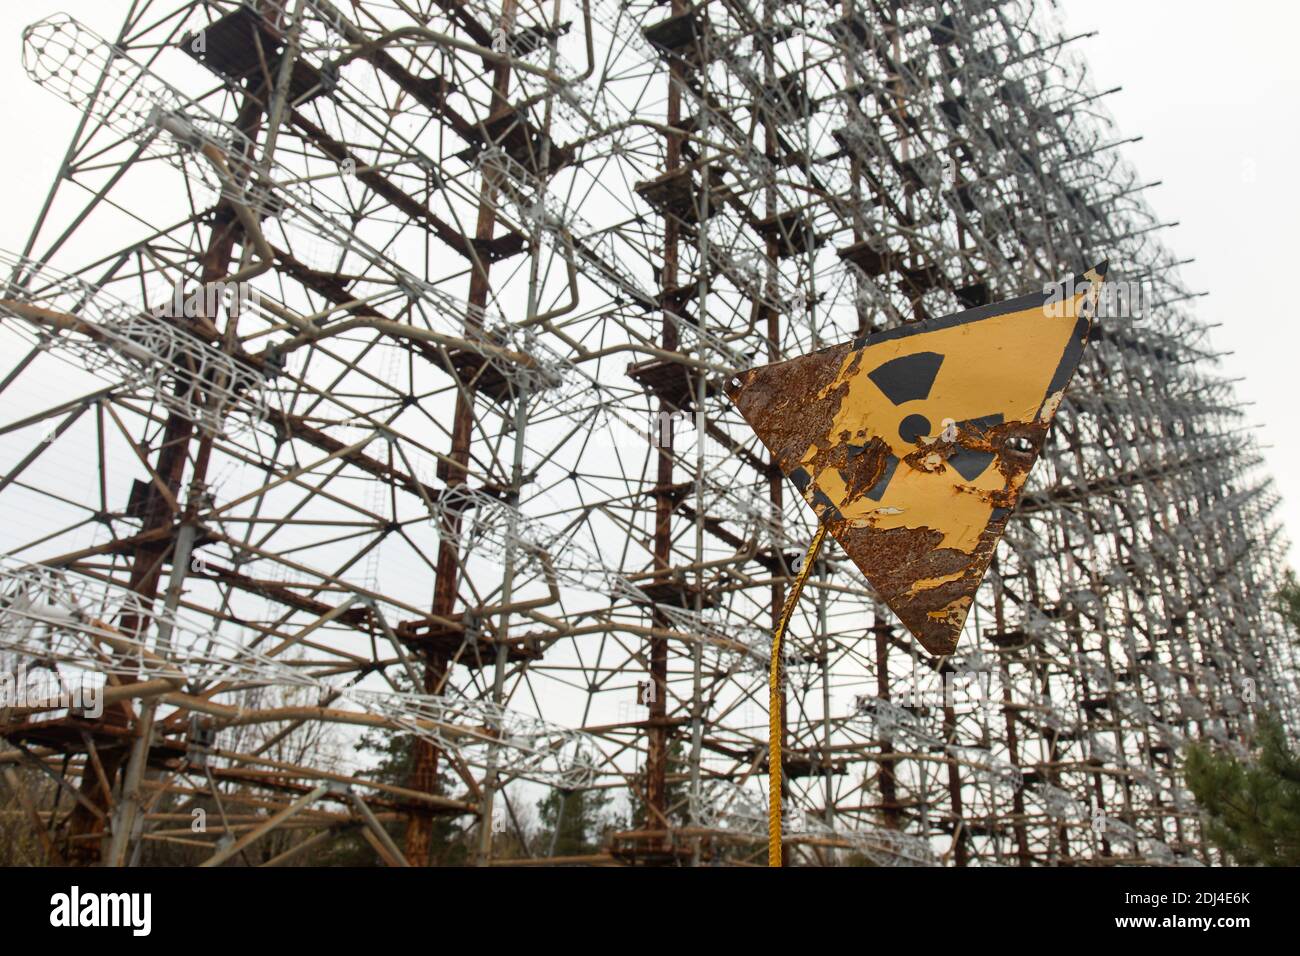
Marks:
<point>364,370</point>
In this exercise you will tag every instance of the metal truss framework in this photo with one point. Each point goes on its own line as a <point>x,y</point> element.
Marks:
<point>460,465</point>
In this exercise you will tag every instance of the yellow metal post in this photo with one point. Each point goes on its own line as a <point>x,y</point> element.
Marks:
<point>775,683</point>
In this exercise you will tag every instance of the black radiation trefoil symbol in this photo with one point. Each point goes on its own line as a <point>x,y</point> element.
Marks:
<point>911,378</point>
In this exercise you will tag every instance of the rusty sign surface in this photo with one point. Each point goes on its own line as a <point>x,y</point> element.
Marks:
<point>913,445</point>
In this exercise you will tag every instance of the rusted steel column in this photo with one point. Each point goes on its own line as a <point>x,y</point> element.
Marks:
<point>772,325</point>
<point>656,767</point>
<point>1009,719</point>
<point>961,853</point>
<point>424,774</point>
<point>148,559</point>
<point>888,783</point>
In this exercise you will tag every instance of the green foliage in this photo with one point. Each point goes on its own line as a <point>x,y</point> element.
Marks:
<point>449,843</point>
<point>676,792</point>
<point>1288,599</point>
<point>573,823</point>
<point>19,843</point>
<point>1252,808</point>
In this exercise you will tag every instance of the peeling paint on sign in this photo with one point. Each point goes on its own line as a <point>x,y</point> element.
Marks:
<point>913,445</point>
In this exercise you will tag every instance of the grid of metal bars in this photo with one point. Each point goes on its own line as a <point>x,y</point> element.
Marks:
<point>459,464</point>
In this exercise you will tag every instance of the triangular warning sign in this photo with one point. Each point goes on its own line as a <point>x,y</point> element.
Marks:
<point>913,444</point>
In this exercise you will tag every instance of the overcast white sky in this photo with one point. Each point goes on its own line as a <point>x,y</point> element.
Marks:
<point>1213,87</point>
<point>1214,90</point>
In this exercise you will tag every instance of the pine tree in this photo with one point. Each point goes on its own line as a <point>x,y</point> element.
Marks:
<point>1252,808</point>
<point>1288,599</point>
<point>676,792</point>
<point>449,843</point>
<point>573,822</point>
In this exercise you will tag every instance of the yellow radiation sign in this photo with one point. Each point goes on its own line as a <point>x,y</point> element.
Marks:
<point>913,444</point>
